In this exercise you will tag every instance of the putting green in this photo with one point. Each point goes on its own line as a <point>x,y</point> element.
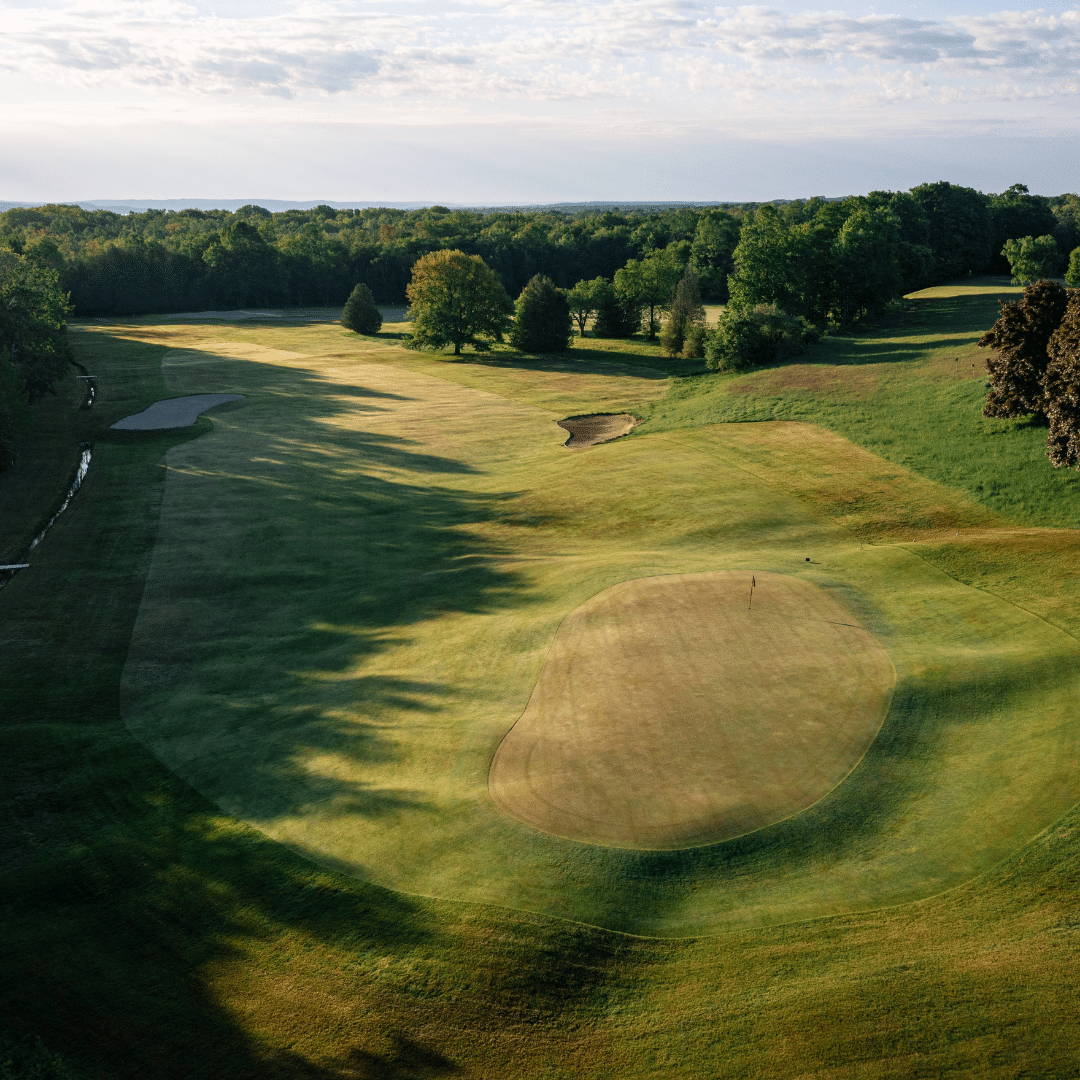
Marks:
<point>681,710</point>
<point>359,575</point>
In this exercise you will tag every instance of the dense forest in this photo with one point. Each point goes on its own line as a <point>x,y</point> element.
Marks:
<point>829,260</point>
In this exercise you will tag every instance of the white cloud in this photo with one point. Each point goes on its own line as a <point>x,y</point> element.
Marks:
<point>739,65</point>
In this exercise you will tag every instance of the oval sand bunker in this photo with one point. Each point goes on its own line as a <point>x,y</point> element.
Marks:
<point>668,715</point>
<point>175,412</point>
<point>596,428</point>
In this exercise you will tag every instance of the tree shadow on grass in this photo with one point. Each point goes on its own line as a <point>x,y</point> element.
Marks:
<point>124,887</point>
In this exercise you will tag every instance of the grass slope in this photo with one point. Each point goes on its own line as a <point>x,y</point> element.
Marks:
<point>148,933</point>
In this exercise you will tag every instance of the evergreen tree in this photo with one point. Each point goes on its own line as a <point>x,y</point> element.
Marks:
<point>1020,338</point>
<point>684,311</point>
<point>617,317</point>
<point>360,313</point>
<point>456,299</point>
<point>1062,388</point>
<point>541,318</point>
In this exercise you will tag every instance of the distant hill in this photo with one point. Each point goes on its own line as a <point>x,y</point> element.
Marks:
<point>131,206</point>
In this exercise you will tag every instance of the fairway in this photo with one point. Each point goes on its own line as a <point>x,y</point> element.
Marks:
<point>676,711</point>
<point>262,817</point>
<point>360,575</point>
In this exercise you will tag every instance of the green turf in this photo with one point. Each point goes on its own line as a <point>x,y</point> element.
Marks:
<point>912,391</point>
<point>410,565</point>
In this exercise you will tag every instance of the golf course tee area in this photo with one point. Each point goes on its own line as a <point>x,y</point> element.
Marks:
<point>365,729</point>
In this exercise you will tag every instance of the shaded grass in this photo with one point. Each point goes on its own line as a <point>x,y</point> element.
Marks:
<point>146,933</point>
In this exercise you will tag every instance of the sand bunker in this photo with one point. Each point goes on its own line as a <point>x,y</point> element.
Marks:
<point>668,714</point>
<point>173,412</point>
<point>596,428</point>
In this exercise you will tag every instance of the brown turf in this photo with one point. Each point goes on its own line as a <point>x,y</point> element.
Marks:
<point>668,715</point>
<point>596,428</point>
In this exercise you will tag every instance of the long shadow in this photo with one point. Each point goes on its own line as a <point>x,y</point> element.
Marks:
<point>123,885</point>
<point>963,318</point>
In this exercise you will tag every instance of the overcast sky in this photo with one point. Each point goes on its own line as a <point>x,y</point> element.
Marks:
<point>486,101</point>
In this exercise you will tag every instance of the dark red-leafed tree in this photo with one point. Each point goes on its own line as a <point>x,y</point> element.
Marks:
<point>1062,388</point>
<point>1019,339</point>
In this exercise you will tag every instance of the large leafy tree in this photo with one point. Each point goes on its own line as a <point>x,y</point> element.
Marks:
<point>649,283</point>
<point>33,340</point>
<point>1015,213</point>
<point>1031,258</point>
<point>585,299</point>
<point>1062,388</point>
<point>243,266</point>
<point>541,318</point>
<point>1072,271</point>
<point>867,263</point>
<point>1019,339</point>
<point>711,250</point>
<point>766,267</point>
<point>456,299</point>
<point>360,313</point>
<point>33,323</point>
<point>959,230</point>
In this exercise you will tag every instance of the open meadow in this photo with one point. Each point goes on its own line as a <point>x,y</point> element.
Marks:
<point>364,730</point>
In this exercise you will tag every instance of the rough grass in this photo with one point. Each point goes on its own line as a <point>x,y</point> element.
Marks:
<point>149,933</point>
<point>911,391</point>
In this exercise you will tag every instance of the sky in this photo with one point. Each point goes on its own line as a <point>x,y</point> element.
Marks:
<point>523,101</point>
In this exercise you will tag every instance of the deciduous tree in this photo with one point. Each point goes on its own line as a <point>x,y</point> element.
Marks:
<point>1072,271</point>
<point>456,299</point>
<point>34,349</point>
<point>649,283</point>
<point>1062,388</point>
<point>585,298</point>
<point>1031,258</point>
<point>750,336</point>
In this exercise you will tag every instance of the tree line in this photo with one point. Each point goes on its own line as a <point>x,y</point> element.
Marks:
<point>160,261</point>
<point>34,351</point>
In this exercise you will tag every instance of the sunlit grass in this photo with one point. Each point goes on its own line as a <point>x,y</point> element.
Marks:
<point>350,585</point>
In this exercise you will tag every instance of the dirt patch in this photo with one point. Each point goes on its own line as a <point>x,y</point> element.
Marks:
<point>173,412</point>
<point>596,428</point>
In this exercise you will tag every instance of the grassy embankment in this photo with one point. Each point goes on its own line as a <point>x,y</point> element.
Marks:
<point>355,578</point>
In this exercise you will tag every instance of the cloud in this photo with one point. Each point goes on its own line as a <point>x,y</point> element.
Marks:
<point>486,55</point>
